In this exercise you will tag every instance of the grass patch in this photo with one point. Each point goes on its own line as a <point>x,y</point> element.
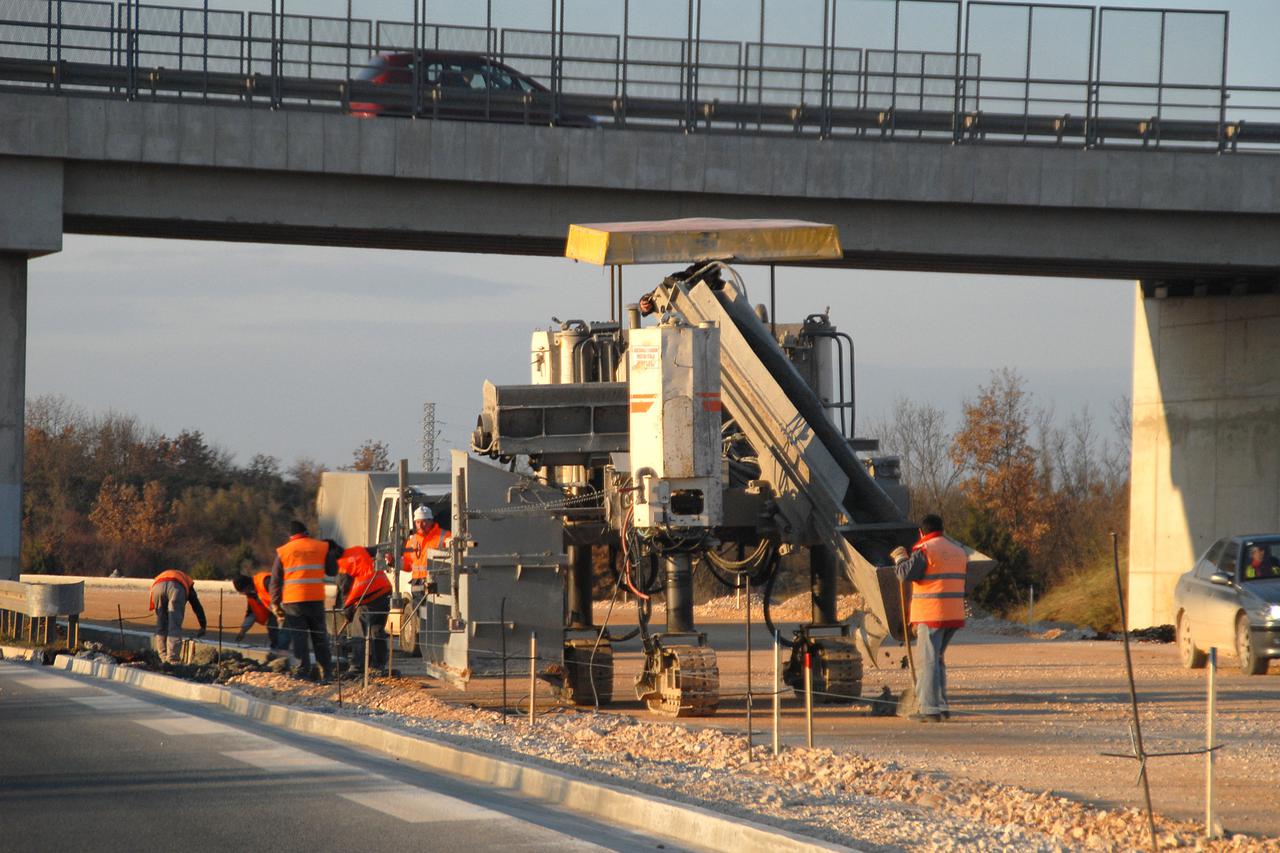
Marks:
<point>1084,597</point>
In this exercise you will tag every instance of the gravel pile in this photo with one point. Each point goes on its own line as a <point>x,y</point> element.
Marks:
<point>843,797</point>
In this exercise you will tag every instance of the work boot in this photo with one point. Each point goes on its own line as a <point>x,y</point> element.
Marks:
<point>926,718</point>
<point>175,649</point>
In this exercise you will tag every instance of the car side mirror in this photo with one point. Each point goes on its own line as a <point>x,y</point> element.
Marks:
<point>1220,579</point>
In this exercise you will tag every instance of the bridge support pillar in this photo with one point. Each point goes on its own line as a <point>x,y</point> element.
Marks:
<point>1206,435</point>
<point>13,374</point>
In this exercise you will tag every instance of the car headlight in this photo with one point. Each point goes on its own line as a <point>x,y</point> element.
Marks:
<point>1273,611</point>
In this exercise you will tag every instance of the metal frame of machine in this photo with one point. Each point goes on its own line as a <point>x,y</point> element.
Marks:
<point>707,442</point>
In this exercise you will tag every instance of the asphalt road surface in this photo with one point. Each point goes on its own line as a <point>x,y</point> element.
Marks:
<point>92,765</point>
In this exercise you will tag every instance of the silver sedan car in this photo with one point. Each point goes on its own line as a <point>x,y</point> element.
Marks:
<point>1231,600</point>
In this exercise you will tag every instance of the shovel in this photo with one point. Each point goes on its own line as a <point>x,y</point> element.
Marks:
<point>908,703</point>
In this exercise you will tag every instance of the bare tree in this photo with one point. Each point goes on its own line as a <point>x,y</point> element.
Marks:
<point>373,455</point>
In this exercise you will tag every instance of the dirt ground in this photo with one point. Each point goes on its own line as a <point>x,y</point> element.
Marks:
<point>1030,713</point>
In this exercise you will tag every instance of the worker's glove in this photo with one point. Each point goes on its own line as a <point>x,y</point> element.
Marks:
<point>200,633</point>
<point>240,637</point>
<point>279,612</point>
<point>349,614</point>
<point>899,554</point>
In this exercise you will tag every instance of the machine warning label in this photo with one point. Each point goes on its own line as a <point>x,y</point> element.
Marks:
<point>645,356</point>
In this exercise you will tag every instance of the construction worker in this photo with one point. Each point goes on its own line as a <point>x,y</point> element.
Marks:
<point>257,593</point>
<point>365,593</point>
<point>936,567</point>
<point>171,591</point>
<point>426,536</point>
<point>297,596</point>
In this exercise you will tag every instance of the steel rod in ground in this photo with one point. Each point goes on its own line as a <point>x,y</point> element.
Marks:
<point>120,622</point>
<point>1133,692</point>
<point>1209,830</point>
<point>750,744</point>
<point>366,629</point>
<point>533,676</point>
<point>808,698</point>
<point>502,617</point>
<point>777,693</point>
<point>337,657</point>
<point>221,593</point>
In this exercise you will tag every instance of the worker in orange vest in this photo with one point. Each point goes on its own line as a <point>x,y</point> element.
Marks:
<point>427,536</point>
<point>257,593</point>
<point>171,591</point>
<point>936,567</point>
<point>298,596</point>
<point>365,593</point>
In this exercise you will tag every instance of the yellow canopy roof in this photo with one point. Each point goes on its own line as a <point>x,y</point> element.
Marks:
<point>690,240</point>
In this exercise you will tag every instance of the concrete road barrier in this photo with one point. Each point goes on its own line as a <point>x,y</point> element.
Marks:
<point>686,824</point>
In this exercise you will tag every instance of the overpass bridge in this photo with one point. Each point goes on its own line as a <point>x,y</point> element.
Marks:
<point>1184,202</point>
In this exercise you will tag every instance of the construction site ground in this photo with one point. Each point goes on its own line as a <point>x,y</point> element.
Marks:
<point>1033,714</point>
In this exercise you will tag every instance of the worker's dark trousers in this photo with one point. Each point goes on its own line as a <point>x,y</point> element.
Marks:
<point>305,623</point>
<point>931,678</point>
<point>277,634</point>
<point>371,620</point>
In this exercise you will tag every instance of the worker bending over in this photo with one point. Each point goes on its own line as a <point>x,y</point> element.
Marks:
<point>365,593</point>
<point>936,567</point>
<point>297,596</point>
<point>257,593</point>
<point>171,591</point>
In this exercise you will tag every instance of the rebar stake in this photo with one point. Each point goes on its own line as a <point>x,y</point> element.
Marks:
<point>1210,831</point>
<point>777,693</point>
<point>808,698</point>
<point>533,676</point>
<point>1133,692</point>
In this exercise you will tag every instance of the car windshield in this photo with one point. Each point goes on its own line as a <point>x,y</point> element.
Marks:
<point>1258,559</point>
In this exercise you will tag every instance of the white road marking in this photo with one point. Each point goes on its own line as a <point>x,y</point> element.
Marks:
<point>114,702</point>
<point>55,682</point>
<point>185,724</point>
<point>288,759</point>
<point>414,805</point>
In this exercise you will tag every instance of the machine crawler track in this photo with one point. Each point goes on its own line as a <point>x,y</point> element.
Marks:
<point>837,670</point>
<point>683,681</point>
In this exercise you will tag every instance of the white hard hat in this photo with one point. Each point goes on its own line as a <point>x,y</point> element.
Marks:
<point>423,513</point>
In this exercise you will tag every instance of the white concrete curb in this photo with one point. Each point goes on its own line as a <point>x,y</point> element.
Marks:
<point>17,653</point>
<point>616,806</point>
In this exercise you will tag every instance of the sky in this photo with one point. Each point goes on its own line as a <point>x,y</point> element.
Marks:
<point>308,351</point>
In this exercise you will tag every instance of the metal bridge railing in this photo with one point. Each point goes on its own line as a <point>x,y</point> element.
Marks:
<point>992,86</point>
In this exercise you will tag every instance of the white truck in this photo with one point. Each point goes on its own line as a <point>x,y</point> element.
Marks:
<point>363,508</point>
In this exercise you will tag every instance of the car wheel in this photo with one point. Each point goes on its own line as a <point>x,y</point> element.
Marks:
<point>1250,664</point>
<point>1192,658</point>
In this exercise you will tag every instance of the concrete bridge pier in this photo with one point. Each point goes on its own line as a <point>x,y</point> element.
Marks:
<point>30,226</point>
<point>1206,430</point>
<point>13,371</point>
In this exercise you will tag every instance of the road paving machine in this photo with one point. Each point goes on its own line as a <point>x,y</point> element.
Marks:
<point>708,440</point>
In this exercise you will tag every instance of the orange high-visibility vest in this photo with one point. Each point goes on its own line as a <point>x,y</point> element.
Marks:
<point>170,575</point>
<point>939,596</point>
<point>415,561</point>
<point>303,561</point>
<point>367,582</point>
<point>260,598</point>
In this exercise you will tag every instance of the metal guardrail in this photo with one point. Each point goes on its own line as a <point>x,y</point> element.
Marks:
<point>992,83</point>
